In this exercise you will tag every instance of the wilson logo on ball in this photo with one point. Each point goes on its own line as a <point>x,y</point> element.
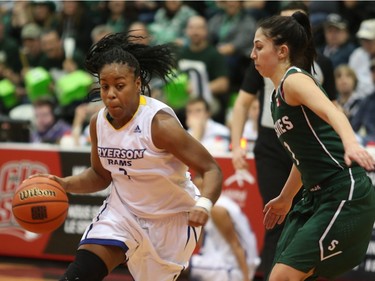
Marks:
<point>36,192</point>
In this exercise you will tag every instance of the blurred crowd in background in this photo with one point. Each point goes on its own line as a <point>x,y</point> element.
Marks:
<point>43,45</point>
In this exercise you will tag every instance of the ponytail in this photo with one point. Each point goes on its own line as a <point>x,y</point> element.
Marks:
<point>294,31</point>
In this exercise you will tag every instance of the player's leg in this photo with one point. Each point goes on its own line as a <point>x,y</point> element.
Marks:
<point>165,249</point>
<point>93,262</point>
<point>270,159</point>
<point>283,272</point>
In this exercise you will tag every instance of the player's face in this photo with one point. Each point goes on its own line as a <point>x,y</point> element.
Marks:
<point>264,54</point>
<point>119,90</point>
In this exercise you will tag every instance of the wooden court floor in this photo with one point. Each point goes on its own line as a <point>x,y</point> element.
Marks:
<point>21,269</point>
<point>16,269</point>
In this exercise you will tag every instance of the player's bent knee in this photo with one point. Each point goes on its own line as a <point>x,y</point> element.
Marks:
<point>86,267</point>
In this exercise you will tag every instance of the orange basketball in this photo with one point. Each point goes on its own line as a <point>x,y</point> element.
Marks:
<point>40,205</point>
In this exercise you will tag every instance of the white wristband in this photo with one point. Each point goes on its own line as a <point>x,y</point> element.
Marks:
<point>204,203</point>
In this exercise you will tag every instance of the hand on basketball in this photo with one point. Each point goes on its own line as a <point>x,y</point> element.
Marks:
<point>275,211</point>
<point>52,177</point>
<point>198,216</point>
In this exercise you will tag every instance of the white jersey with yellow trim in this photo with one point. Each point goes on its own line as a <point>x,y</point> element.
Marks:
<point>150,182</point>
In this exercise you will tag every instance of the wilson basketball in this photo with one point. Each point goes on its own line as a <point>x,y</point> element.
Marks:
<point>40,205</point>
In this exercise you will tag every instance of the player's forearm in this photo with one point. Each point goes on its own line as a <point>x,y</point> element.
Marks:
<point>87,182</point>
<point>292,185</point>
<point>212,183</point>
<point>341,125</point>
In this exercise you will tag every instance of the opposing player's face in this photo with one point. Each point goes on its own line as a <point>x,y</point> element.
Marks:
<point>264,54</point>
<point>119,90</point>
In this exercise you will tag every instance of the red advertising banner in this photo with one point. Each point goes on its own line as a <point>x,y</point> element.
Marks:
<point>15,166</point>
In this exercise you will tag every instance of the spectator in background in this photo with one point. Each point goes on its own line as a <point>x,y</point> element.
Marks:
<point>30,54</point>
<point>363,121</point>
<point>318,12</point>
<point>60,62</point>
<point>232,32</point>
<point>356,11</point>
<point>201,58</point>
<point>31,49</point>
<point>48,127</point>
<point>260,9</point>
<point>99,31</point>
<point>76,21</point>
<point>55,60</point>
<point>146,10</point>
<point>346,84</point>
<point>229,247</point>
<point>10,64</point>
<point>80,130</point>
<point>140,32</point>
<point>117,16</point>
<point>10,68</point>
<point>213,135</point>
<point>170,22</point>
<point>44,14</point>
<point>15,18</point>
<point>338,45</point>
<point>359,60</point>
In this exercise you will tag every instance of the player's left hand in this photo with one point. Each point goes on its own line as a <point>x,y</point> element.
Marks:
<point>360,155</point>
<point>198,216</point>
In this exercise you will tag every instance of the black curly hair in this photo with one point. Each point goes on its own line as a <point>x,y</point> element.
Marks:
<point>147,61</point>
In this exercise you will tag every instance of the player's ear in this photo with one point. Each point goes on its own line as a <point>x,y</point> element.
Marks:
<point>283,51</point>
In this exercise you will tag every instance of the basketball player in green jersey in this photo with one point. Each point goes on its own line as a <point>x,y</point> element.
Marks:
<point>328,231</point>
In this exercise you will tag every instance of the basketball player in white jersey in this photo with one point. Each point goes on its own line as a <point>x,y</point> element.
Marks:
<point>154,213</point>
<point>229,249</point>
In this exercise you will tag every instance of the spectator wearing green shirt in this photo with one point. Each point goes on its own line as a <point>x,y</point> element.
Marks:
<point>206,67</point>
<point>170,22</point>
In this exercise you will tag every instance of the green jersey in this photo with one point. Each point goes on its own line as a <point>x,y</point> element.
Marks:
<point>315,148</point>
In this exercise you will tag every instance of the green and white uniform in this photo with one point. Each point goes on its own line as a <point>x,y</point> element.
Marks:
<point>330,228</point>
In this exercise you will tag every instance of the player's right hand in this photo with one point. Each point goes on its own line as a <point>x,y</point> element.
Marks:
<point>198,216</point>
<point>275,211</point>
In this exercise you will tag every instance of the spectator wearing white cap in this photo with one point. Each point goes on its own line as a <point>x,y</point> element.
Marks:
<point>360,59</point>
<point>31,51</point>
<point>338,45</point>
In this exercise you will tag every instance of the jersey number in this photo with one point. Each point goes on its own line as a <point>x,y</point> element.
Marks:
<point>125,172</point>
